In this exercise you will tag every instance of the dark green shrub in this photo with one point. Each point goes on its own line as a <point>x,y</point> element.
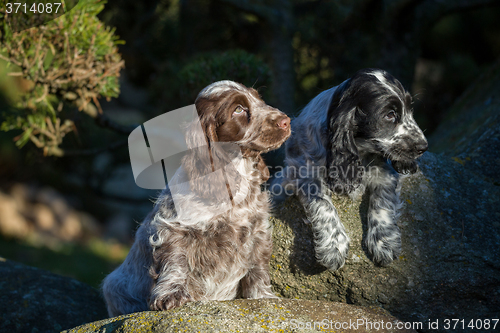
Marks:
<point>206,68</point>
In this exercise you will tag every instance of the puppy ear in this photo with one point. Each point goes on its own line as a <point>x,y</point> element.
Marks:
<point>210,133</point>
<point>344,164</point>
<point>204,163</point>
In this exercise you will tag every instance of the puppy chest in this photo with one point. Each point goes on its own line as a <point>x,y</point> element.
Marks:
<point>218,249</point>
<point>218,262</point>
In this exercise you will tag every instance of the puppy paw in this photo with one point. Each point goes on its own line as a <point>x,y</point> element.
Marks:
<point>333,259</point>
<point>384,250</point>
<point>257,289</point>
<point>265,293</point>
<point>331,246</point>
<point>170,301</point>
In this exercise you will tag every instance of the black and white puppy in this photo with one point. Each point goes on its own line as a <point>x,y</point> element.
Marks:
<point>354,137</point>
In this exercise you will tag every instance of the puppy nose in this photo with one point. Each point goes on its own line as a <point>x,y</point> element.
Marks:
<point>284,123</point>
<point>421,147</point>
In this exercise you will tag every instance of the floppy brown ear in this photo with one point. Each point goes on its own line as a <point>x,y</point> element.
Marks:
<point>200,162</point>
<point>210,131</point>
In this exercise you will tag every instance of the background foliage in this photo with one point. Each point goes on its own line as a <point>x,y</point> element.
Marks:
<point>206,68</point>
<point>71,60</point>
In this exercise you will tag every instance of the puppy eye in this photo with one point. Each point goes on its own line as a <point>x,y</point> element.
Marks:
<point>391,116</point>
<point>239,109</point>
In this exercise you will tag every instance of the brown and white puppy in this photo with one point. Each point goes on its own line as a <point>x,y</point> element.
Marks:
<point>192,247</point>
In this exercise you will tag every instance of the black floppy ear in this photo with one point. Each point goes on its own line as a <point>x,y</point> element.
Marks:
<point>343,162</point>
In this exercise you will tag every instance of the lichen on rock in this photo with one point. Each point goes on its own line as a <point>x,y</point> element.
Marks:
<point>268,315</point>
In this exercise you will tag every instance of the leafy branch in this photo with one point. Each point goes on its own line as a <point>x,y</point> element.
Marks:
<point>71,61</point>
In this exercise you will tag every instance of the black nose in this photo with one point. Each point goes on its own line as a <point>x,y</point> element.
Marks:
<point>421,147</point>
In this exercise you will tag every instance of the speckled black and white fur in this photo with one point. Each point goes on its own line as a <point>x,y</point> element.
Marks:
<point>354,137</point>
<point>194,248</point>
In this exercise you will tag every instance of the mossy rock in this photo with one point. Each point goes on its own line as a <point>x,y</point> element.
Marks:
<point>268,315</point>
<point>449,266</point>
<point>470,132</point>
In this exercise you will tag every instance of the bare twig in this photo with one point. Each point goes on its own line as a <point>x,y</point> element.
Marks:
<point>15,62</point>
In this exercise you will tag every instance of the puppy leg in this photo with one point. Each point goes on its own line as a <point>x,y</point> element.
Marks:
<point>257,283</point>
<point>126,288</point>
<point>330,239</point>
<point>123,291</point>
<point>383,238</point>
<point>169,290</point>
